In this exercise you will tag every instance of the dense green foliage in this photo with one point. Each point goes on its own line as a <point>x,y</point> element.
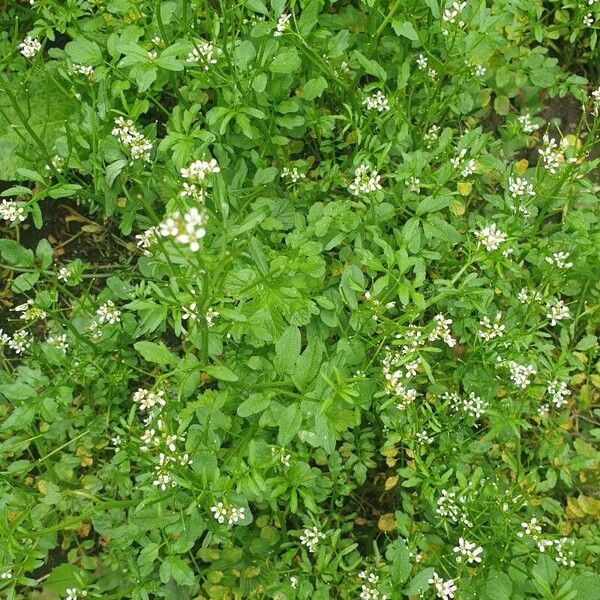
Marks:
<point>299,301</point>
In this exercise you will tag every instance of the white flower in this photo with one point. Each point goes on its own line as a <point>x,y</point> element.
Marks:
<point>29,312</point>
<point>559,392</point>
<point>557,312</point>
<point>531,528</point>
<point>521,374</point>
<point>147,239</point>
<point>6,574</point>
<point>553,154</point>
<point>588,19</point>
<point>560,260</point>
<point>527,124</point>
<point>187,229</point>
<point>20,341</point>
<point>128,135</point>
<point>422,62</point>
<point>377,101</point>
<point>525,296</point>
<point>469,551</point>
<point>12,211</point>
<point>293,174</point>
<point>451,14</point>
<point>199,169</point>
<point>204,52</point>
<point>59,342</point>
<point>444,589</point>
<point>310,538</point>
<point>75,594</point>
<point>107,313</point>
<point>88,70</point>
<point>282,23</point>
<point>491,237</point>
<point>520,187</point>
<point>490,330</point>
<point>432,135</point>
<point>231,514</point>
<point>293,582</point>
<point>365,182</point>
<point>219,512</point>
<point>479,70</point>
<point>30,46</point>
<point>148,399</point>
<point>413,184</point>
<point>423,437</point>
<point>473,405</point>
<point>210,316</point>
<point>441,331</point>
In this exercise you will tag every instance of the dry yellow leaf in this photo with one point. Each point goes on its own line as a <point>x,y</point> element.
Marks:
<point>464,187</point>
<point>391,482</point>
<point>387,522</point>
<point>521,166</point>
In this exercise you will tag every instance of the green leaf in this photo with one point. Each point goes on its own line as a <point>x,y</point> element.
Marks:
<point>221,372</point>
<point>14,254</point>
<point>155,353</point>
<point>43,253</point>
<point>264,176</point>
<point>433,204</point>
<point>174,567</point>
<point>64,190</point>
<point>287,350</point>
<point>314,88</point>
<point>84,52</point>
<point>405,29</point>
<point>255,403</point>
<point>286,62</point>
<point>587,587</point>
<point>308,18</point>
<point>290,421</point>
<point>419,582</point>
<point>370,66</point>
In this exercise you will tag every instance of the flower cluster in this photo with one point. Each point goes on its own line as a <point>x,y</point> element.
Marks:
<point>18,342</point>
<point>130,137</point>
<point>148,399</point>
<point>30,46</point>
<point>293,174</point>
<point>444,589</point>
<point>557,311</point>
<point>521,375</point>
<point>468,552</point>
<point>282,24</point>
<point>559,392</point>
<point>453,13</point>
<point>108,313</point>
<point>75,594</point>
<point>147,239</point>
<point>369,589</point>
<point>559,260</point>
<point>377,102</point>
<point>366,181</point>
<point>472,405</point>
<point>29,312</point>
<point>188,228</point>
<point>228,514</point>
<point>441,331</point>
<point>467,167</point>
<point>205,53</point>
<point>59,342</point>
<point>311,538</point>
<point>12,211</point>
<point>88,70</point>
<point>490,330</point>
<point>553,153</point>
<point>527,125</point>
<point>491,237</point>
